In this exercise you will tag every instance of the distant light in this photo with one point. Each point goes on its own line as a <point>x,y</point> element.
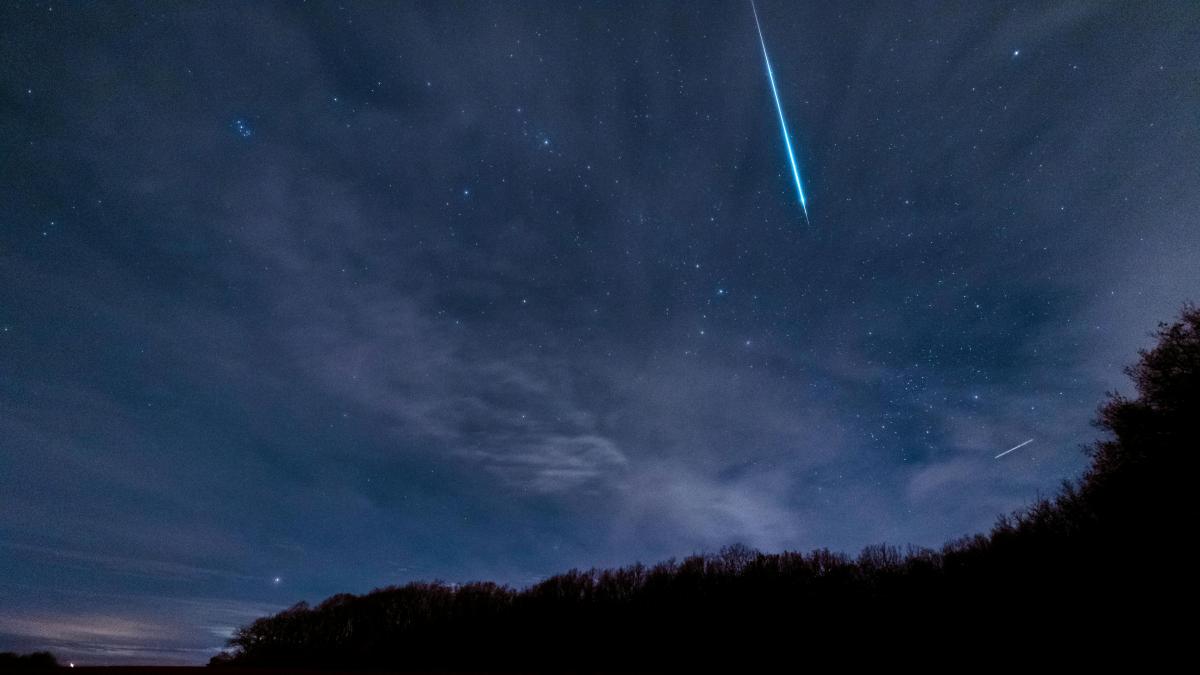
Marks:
<point>277,581</point>
<point>70,665</point>
<point>1016,53</point>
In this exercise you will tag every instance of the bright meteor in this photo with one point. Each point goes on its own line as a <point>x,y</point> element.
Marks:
<point>1015,447</point>
<point>787,139</point>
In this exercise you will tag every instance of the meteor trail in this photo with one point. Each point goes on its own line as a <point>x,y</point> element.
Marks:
<point>787,139</point>
<point>1015,447</point>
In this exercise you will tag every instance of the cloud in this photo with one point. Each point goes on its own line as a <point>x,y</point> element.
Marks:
<point>555,464</point>
<point>78,628</point>
<point>102,638</point>
<point>687,511</point>
<point>128,628</point>
<point>126,565</point>
<point>934,479</point>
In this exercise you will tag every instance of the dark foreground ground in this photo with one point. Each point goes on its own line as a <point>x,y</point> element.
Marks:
<point>197,670</point>
<point>201,670</point>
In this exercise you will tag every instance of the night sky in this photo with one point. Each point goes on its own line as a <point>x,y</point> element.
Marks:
<point>299,299</point>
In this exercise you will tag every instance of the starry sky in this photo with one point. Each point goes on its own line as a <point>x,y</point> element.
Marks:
<point>304,298</point>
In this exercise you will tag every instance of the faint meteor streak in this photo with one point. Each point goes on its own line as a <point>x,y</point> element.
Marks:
<point>1015,447</point>
<point>787,139</point>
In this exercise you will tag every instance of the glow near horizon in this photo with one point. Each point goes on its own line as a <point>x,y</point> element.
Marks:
<point>787,139</point>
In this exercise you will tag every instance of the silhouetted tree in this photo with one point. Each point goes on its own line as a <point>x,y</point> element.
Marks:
<point>11,662</point>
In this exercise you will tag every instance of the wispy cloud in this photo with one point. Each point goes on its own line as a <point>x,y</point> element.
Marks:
<point>141,567</point>
<point>551,463</point>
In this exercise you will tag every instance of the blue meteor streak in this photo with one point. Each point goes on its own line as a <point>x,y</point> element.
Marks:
<point>787,139</point>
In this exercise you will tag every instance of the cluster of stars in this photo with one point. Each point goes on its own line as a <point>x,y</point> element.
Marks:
<point>242,128</point>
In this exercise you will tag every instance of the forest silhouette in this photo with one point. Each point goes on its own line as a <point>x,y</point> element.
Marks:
<point>1097,566</point>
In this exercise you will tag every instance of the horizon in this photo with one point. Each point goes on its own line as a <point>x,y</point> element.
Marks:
<point>304,300</point>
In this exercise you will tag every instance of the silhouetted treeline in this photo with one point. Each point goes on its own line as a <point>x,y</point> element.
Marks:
<point>11,662</point>
<point>1099,566</point>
